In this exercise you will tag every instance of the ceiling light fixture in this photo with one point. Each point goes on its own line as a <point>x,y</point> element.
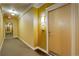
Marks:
<point>13,11</point>
<point>12,14</point>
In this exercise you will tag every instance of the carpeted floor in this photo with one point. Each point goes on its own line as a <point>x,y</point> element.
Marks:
<point>14,47</point>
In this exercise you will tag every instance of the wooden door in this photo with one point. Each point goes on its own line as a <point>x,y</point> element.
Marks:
<point>77,29</point>
<point>59,30</point>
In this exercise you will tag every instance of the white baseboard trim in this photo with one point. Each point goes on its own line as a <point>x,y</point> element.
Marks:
<point>27,44</point>
<point>15,36</point>
<point>35,47</point>
<point>43,50</point>
<point>1,44</point>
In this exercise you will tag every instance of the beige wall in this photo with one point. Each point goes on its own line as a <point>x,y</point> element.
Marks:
<point>28,27</point>
<point>1,29</point>
<point>35,23</point>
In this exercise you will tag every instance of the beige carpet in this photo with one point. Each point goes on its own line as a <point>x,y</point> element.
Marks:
<point>15,47</point>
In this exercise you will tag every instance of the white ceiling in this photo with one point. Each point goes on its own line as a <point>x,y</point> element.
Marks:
<point>18,7</point>
<point>37,5</point>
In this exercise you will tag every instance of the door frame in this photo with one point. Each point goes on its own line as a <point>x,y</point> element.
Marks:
<point>73,15</point>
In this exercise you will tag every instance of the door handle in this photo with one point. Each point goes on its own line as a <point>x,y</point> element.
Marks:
<point>49,32</point>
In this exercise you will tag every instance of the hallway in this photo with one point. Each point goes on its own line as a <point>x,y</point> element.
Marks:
<point>14,47</point>
<point>39,29</point>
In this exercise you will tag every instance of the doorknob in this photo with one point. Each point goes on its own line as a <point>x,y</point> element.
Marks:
<point>49,32</point>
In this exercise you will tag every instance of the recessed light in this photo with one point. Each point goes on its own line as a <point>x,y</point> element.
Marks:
<point>12,14</point>
<point>10,11</point>
<point>13,11</point>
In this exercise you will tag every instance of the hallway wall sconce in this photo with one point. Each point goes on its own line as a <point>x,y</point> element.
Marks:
<point>43,23</point>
